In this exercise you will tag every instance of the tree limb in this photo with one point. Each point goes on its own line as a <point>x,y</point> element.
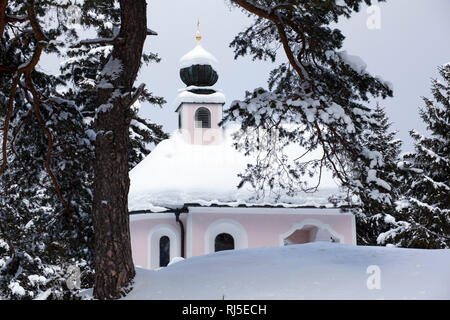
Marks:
<point>136,95</point>
<point>274,17</point>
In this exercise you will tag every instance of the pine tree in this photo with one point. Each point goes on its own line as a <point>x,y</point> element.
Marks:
<point>82,69</point>
<point>46,167</point>
<point>44,209</point>
<point>318,100</point>
<point>116,94</point>
<point>423,218</point>
<point>379,180</point>
<point>43,237</point>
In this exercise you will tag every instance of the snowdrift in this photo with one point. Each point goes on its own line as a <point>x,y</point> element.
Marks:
<point>319,270</point>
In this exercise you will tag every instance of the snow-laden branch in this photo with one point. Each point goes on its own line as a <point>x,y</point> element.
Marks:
<point>108,41</point>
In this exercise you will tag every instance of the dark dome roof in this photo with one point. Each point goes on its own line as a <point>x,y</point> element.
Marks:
<point>199,75</point>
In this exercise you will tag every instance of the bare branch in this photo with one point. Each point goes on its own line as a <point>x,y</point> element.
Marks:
<point>150,32</point>
<point>136,95</point>
<point>36,104</point>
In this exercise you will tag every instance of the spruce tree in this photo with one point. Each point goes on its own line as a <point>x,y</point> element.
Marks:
<point>423,218</point>
<point>380,180</point>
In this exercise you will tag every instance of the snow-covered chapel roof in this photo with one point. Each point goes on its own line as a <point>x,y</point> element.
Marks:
<point>177,173</point>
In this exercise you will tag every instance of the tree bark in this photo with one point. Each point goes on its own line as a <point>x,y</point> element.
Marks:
<point>114,269</point>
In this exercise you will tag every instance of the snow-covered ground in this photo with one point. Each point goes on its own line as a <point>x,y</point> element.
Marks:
<point>319,270</point>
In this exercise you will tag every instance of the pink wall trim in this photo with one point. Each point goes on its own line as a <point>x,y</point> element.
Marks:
<point>265,229</point>
<point>141,227</point>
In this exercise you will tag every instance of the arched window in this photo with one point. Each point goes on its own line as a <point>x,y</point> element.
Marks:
<point>223,229</point>
<point>223,241</point>
<point>164,251</point>
<point>202,118</point>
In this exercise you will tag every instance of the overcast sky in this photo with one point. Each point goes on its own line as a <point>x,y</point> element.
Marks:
<point>412,41</point>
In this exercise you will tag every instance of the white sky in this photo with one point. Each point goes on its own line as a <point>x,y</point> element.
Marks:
<point>412,42</point>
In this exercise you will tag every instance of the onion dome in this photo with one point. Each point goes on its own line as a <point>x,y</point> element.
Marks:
<point>197,69</point>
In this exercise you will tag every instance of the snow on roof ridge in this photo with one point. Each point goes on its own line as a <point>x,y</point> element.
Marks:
<point>238,204</point>
<point>186,96</point>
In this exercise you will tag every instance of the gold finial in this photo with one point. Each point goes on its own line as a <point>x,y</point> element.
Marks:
<point>198,36</point>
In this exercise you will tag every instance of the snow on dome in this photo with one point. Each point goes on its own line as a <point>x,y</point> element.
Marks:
<point>200,56</point>
<point>176,172</point>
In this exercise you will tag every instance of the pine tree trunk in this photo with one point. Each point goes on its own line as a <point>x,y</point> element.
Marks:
<point>114,267</point>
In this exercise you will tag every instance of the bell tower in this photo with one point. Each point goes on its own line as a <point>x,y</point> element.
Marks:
<point>199,105</point>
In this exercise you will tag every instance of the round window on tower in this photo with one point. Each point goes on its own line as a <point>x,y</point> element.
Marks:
<point>202,118</point>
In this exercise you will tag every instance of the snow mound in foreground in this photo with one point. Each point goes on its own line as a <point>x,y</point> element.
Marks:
<point>317,270</point>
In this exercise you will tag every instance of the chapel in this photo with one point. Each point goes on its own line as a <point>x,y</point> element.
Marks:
<point>184,199</point>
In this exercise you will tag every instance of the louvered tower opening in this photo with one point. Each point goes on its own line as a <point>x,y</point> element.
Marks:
<point>203,118</point>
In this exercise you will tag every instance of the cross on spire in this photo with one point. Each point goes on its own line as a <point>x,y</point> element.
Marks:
<point>198,36</point>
